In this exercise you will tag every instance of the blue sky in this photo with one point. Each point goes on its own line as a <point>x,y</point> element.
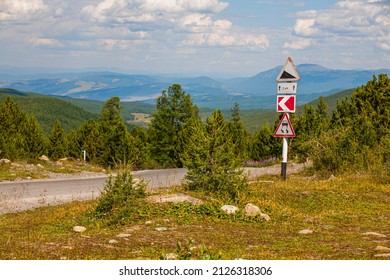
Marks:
<point>194,37</point>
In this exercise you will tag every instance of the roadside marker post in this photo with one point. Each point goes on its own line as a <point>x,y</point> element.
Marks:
<point>286,103</point>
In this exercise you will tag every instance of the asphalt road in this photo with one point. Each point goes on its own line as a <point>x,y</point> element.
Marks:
<point>28,194</point>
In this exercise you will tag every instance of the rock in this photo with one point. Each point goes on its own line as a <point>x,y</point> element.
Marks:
<point>113,241</point>
<point>382,248</point>
<point>43,158</point>
<point>371,233</point>
<point>171,256</point>
<point>309,220</point>
<point>5,161</point>
<point>230,209</point>
<point>265,217</point>
<point>306,231</point>
<point>148,223</point>
<point>79,229</point>
<point>382,255</point>
<point>161,229</point>
<point>40,166</point>
<point>135,228</point>
<point>251,210</point>
<point>123,235</point>
<point>174,198</point>
<point>63,159</point>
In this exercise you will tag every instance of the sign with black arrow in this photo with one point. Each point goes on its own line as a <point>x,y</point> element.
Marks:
<point>288,73</point>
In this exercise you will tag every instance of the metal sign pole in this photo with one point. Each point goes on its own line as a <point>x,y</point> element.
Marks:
<point>284,156</point>
<point>286,104</point>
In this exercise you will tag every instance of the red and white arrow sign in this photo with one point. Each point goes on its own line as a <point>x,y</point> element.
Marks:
<point>285,103</point>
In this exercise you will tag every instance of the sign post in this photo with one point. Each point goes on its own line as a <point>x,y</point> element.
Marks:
<point>286,103</point>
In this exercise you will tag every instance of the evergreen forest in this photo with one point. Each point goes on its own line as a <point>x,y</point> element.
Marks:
<point>354,137</point>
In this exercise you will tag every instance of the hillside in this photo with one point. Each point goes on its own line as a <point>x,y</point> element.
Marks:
<point>72,112</point>
<point>253,92</point>
<point>49,109</point>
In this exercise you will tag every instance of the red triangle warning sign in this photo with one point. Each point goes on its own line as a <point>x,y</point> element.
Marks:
<point>284,128</point>
<point>288,73</point>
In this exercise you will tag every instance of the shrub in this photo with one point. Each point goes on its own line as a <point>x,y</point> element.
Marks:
<point>119,193</point>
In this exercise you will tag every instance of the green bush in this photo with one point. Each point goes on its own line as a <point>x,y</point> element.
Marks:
<point>120,193</point>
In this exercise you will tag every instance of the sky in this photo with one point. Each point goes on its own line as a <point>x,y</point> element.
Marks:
<point>220,38</point>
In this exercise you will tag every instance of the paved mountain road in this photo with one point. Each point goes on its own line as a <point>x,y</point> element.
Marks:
<point>28,194</point>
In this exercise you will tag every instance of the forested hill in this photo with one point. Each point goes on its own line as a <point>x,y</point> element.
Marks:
<point>49,109</point>
<point>72,112</point>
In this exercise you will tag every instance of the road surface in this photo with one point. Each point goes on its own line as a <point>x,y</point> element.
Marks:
<point>28,194</point>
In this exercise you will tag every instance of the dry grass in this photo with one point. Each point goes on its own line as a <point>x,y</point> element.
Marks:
<point>338,212</point>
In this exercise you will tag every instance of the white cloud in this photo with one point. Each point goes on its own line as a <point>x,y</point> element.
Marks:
<point>179,6</point>
<point>306,27</point>
<point>203,23</point>
<point>347,18</point>
<point>149,10</point>
<point>46,42</point>
<point>21,9</point>
<point>214,39</point>
<point>189,22</point>
<point>298,45</point>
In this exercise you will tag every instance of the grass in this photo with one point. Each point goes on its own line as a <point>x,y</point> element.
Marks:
<point>338,212</point>
<point>36,169</point>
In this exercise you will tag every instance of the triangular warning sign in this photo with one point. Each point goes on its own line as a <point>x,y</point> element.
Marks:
<point>288,73</point>
<point>284,128</point>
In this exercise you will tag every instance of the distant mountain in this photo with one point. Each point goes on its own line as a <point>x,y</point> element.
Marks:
<point>252,92</point>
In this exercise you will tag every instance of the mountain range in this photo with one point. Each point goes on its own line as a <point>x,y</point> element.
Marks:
<point>257,91</point>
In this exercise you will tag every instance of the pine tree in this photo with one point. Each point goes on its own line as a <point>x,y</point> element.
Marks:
<point>114,138</point>
<point>264,144</point>
<point>34,141</point>
<point>174,110</point>
<point>12,120</point>
<point>140,148</point>
<point>240,136</point>
<point>212,166</point>
<point>88,138</point>
<point>57,142</point>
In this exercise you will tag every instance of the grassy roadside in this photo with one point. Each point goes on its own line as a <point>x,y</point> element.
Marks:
<point>343,214</point>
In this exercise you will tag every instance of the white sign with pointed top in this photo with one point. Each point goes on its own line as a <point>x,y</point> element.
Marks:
<point>284,128</point>
<point>288,73</point>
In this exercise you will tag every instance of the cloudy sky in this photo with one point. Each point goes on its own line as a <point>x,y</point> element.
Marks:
<point>194,37</point>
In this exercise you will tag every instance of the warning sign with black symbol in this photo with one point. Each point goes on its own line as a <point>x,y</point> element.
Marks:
<point>284,128</point>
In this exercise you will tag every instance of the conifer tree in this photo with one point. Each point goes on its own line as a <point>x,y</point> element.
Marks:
<point>174,110</point>
<point>359,131</point>
<point>21,136</point>
<point>140,147</point>
<point>34,140</point>
<point>88,138</point>
<point>58,144</point>
<point>240,136</point>
<point>264,144</point>
<point>114,138</point>
<point>209,158</point>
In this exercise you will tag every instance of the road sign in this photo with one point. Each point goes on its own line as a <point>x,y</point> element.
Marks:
<point>288,73</point>
<point>285,103</point>
<point>284,128</point>
<point>284,88</point>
